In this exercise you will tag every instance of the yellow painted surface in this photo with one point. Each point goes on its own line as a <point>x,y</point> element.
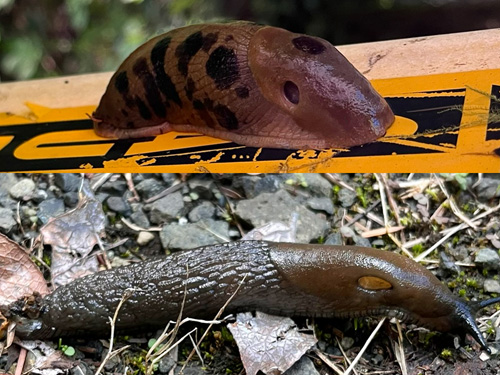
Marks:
<point>61,139</point>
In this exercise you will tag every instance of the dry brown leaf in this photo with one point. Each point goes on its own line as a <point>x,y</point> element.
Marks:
<point>271,344</point>
<point>73,235</point>
<point>19,276</point>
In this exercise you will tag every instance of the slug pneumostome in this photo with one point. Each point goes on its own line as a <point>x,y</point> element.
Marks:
<point>256,85</point>
<point>280,278</point>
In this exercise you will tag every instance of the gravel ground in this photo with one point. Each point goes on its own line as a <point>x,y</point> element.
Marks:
<point>154,214</point>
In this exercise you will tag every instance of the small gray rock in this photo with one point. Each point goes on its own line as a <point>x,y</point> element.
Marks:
<point>118,205</point>
<point>140,218</point>
<point>7,221</point>
<point>81,368</point>
<point>192,370</point>
<point>488,188</point>
<point>67,181</point>
<point>117,187</point>
<point>71,199</point>
<point>39,196</point>
<point>321,204</point>
<point>377,359</point>
<point>361,241</point>
<point>334,239</point>
<point>488,259</point>
<point>304,366</point>
<point>24,189</point>
<point>191,236</point>
<point>149,188</point>
<point>347,232</point>
<point>447,264</point>
<point>491,286</point>
<point>347,197</point>
<point>169,178</point>
<point>347,342</point>
<point>50,208</point>
<point>201,186</point>
<point>280,206</point>
<point>167,208</point>
<point>205,210</point>
<point>166,364</point>
<point>318,185</point>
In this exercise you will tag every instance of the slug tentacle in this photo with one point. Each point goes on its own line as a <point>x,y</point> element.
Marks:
<point>256,85</point>
<point>279,278</point>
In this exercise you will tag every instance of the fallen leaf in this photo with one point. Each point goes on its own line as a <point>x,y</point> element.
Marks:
<point>73,235</point>
<point>19,276</point>
<point>275,231</point>
<point>271,344</point>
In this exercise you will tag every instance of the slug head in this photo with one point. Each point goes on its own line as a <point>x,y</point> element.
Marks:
<point>356,281</point>
<point>317,88</point>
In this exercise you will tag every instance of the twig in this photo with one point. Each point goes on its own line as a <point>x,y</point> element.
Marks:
<point>100,181</point>
<point>386,219</point>
<point>365,346</point>
<point>126,295</point>
<point>451,231</point>
<point>165,192</point>
<point>138,228</point>
<point>335,179</point>
<point>328,362</point>
<point>217,316</point>
<point>399,350</point>
<point>131,187</point>
<point>458,213</point>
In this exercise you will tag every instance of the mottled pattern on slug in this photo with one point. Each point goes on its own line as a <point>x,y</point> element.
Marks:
<point>255,85</point>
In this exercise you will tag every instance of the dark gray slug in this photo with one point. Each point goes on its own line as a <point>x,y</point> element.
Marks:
<point>281,278</point>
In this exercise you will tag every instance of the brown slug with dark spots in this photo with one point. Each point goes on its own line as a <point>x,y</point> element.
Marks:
<point>280,278</point>
<point>269,88</point>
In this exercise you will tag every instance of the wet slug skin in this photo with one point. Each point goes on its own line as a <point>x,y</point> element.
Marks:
<point>256,85</point>
<point>280,278</point>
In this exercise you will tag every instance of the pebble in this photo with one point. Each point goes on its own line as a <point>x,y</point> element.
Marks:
<point>7,221</point>
<point>140,218</point>
<point>167,208</point>
<point>193,235</point>
<point>347,197</point>
<point>149,188</point>
<point>50,208</point>
<point>23,189</point>
<point>144,238</point>
<point>321,204</point>
<point>347,342</point>
<point>488,259</point>
<point>67,181</point>
<point>205,210</point>
<point>304,366</point>
<point>118,205</point>
<point>488,188</point>
<point>491,286</point>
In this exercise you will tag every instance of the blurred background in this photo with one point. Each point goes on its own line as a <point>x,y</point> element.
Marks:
<point>44,38</point>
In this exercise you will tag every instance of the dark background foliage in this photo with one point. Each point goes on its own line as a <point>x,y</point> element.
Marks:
<point>43,38</point>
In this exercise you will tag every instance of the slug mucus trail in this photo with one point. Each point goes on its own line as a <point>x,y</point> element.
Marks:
<point>255,85</point>
<point>280,278</point>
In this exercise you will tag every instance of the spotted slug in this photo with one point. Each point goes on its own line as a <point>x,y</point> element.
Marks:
<point>278,278</point>
<point>255,85</point>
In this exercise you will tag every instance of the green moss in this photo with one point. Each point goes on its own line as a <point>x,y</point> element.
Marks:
<point>446,354</point>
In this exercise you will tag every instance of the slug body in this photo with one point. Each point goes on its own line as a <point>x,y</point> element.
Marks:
<point>255,85</point>
<point>279,278</point>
